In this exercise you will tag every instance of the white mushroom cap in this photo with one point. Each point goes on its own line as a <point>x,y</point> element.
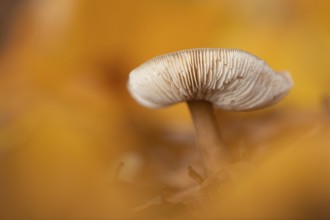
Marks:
<point>230,79</point>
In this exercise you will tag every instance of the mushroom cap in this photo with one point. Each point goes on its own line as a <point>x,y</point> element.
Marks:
<point>231,79</point>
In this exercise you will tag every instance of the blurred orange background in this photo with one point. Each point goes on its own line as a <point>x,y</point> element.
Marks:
<point>67,120</point>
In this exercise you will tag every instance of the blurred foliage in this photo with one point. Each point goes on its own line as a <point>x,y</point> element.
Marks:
<point>67,121</point>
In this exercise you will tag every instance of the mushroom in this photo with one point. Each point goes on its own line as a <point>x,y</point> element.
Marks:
<point>228,79</point>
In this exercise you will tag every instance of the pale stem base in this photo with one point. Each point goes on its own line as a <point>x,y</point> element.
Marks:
<point>212,150</point>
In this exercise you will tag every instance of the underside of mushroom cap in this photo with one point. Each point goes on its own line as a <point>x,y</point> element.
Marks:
<point>230,79</point>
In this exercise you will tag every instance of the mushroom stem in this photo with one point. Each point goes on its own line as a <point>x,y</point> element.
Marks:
<point>211,147</point>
